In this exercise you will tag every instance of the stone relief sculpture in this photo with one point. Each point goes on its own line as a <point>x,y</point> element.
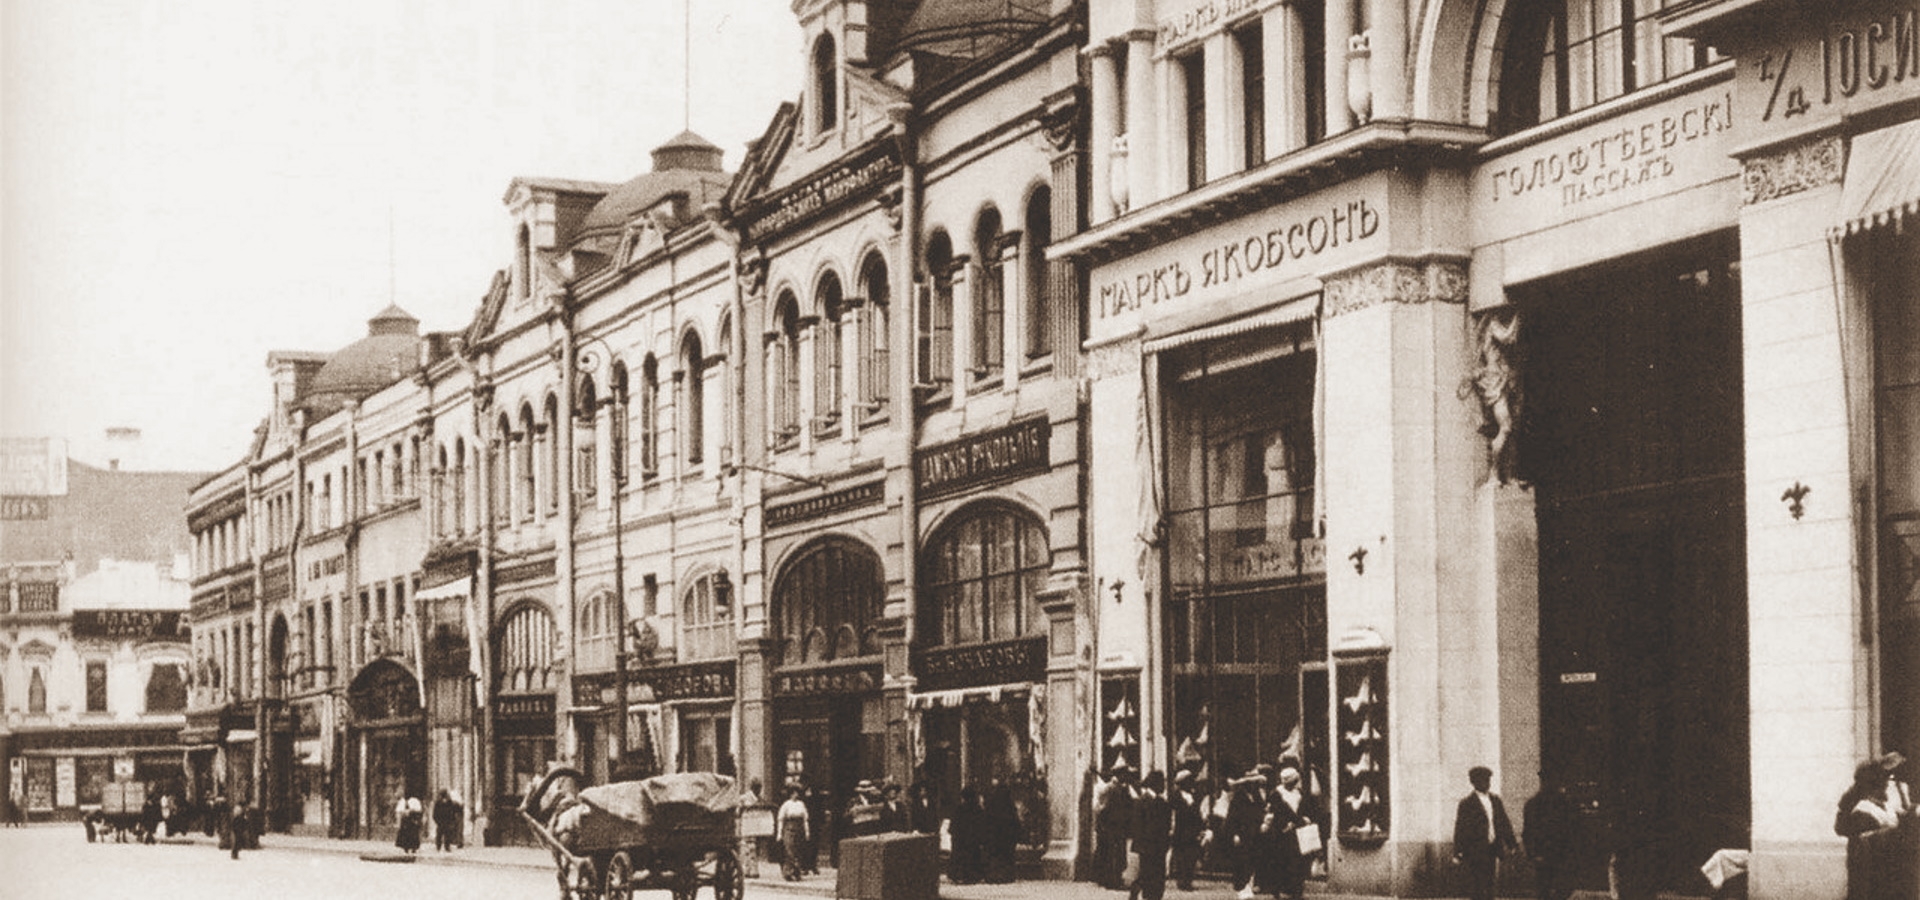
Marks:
<point>1495,383</point>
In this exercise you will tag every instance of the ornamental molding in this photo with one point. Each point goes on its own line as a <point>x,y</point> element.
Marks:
<point>1113,360</point>
<point>1442,281</point>
<point>1788,170</point>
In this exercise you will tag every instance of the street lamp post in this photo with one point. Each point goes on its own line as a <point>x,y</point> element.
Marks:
<point>617,401</point>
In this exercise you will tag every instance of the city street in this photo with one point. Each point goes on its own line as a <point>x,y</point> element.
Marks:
<point>55,861</point>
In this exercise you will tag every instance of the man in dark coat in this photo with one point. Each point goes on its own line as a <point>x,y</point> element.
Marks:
<point>1246,809</point>
<point>1112,824</point>
<point>1481,834</point>
<point>1152,837</point>
<point>1187,828</point>
<point>1547,824</point>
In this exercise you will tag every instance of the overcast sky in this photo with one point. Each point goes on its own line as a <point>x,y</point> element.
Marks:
<point>189,184</point>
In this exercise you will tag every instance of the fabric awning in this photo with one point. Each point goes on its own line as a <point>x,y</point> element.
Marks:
<point>455,588</point>
<point>957,696</point>
<point>1882,186</point>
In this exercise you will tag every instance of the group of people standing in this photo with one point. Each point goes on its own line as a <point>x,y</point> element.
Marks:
<point>448,821</point>
<point>983,828</point>
<point>1265,827</point>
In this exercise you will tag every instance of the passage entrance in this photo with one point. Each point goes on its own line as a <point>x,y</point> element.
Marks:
<point>1634,444</point>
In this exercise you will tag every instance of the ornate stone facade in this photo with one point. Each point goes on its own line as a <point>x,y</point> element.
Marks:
<point>1791,169</point>
<point>1397,281</point>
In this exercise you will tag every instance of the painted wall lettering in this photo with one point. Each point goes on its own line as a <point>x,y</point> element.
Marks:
<point>1239,256</point>
<point>1616,160</point>
<point>1866,56</point>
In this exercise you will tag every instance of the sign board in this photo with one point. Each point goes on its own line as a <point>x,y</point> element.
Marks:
<point>1661,149</point>
<point>128,624</point>
<point>856,679</point>
<point>1018,449</point>
<point>33,467</point>
<point>1830,69</point>
<point>65,782</point>
<point>24,509</point>
<point>1326,231</point>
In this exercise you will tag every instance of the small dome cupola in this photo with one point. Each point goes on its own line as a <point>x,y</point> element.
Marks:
<point>687,151</point>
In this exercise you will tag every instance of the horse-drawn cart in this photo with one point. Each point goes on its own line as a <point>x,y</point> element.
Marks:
<point>670,832</point>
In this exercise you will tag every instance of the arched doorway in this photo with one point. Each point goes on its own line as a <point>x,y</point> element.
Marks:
<point>277,790</point>
<point>386,744</point>
<point>829,718</point>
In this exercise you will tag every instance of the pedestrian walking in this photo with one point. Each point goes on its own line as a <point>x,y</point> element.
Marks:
<point>1152,837</point>
<point>792,828</point>
<point>966,832</point>
<point>1547,825</point>
<point>922,815</point>
<point>1291,824</point>
<point>239,829</point>
<point>1481,834</point>
<point>1245,808</point>
<point>1001,840</point>
<point>1188,827</point>
<point>446,821</point>
<point>1112,826</point>
<point>407,812</point>
<point>1871,815</point>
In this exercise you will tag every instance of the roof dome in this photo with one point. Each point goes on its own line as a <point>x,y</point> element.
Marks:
<point>390,350</point>
<point>688,164</point>
<point>969,28</point>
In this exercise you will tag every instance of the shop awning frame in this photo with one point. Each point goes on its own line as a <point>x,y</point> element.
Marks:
<point>1882,186</point>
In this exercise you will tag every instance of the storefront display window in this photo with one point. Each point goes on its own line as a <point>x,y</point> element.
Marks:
<point>982,575</point>
<point>1247,609</point>
<point>39,783</point>
<point>93,773</point>
<point>706,742</point>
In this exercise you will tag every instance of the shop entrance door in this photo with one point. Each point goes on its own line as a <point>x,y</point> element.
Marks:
<point>819,745</point>
<point>1634,443</point>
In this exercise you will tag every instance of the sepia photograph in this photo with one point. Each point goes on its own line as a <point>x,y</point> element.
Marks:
<point>966,449</point>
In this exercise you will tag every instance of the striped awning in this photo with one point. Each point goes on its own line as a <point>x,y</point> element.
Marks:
<point>1882,186</point>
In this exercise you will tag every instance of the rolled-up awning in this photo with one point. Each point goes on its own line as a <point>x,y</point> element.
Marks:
<point>1882,186</point>
<point>448,591</point>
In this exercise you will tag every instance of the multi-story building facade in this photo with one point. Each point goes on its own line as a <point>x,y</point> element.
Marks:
<point>94,660</point>
<point>1387,388</point>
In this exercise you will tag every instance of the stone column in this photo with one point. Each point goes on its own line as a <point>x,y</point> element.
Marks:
<point>1339,29</point>
<point>1809,668</point>
<point>1144,122</point>
<point>1401,465</point>
<point>1062,301</point>
<point>1285,45</point>
<point>1387,39</point>
<point>1067,724</point>
<point>1105,126</point>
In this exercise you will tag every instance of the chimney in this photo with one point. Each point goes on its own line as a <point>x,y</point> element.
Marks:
<point>123,444</point>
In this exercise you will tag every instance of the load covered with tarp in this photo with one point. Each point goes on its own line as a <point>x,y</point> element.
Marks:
<point>691,807</point>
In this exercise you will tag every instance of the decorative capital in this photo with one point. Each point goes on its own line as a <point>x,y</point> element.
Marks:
<point>1443,281</point>
<point>1788,170</point>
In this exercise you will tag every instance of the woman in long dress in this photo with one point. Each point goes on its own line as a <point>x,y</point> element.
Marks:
<point>409,813</point>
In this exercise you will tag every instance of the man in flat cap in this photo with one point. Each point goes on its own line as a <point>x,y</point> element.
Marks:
<point>1481,834</point>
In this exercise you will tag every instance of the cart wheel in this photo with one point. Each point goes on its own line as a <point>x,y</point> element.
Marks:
<point>729,880</point>
<point>586,880</point>
<point>619,884</point>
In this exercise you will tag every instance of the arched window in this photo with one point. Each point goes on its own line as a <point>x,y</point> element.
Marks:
<point>981,576</point>
<point>523,263</point>
<point>619,425</point>
<point>523,646</point>
<point>875,361</point>
<point>727,360</point>
<point>551,467</point>
<point>826,85</point>
<point>827,344</point>
<point>693,400</point>
<point>502,488</point>
<point>936,315</point>
<point>649,417</point>
<point>989,298</point>
<point>595,637</point>
<point>828,601</point>
<point>706,619</point>
<point>586,460</point>
<point>37,691</point>
<point>1036,305</point>
<point>1562,56</point>
<point>528,500</point>
<point>783,370</point>
<point>457,510</point>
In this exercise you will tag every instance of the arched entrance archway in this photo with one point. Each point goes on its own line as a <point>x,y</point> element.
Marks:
<point>829,716</point>
<point>386,756</point>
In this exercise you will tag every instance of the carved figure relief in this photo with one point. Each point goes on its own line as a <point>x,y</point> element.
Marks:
<point>1496,384</point>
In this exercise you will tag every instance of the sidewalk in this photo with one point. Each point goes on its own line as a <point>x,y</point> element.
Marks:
<point>822,885</point>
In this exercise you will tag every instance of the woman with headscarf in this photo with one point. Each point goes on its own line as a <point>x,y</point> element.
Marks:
<point>409,814</point>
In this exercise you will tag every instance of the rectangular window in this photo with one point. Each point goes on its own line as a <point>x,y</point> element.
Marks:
<point>1193,72</point>
<point>96,685</point>
<point>1253,90</point>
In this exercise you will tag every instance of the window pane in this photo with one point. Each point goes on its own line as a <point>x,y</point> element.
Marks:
<point>1606,15</point>
<point>968,630</point>
<point>998,534</point>
<point>1610,66</point>
<point>1033,546</point>
<point>1580,19</point>
<point>1580,90</point>
<point>1002,606</point>
<point>967,562</point>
